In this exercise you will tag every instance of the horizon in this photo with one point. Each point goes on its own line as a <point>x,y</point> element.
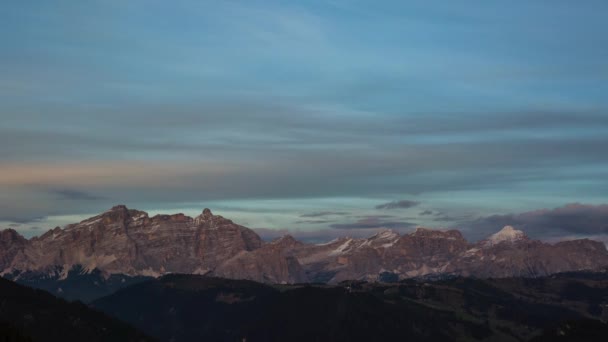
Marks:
<point>313,237</point>
<point>317,119</point>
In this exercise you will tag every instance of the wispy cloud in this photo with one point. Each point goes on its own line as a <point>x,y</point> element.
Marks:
<point>320,108</point>
<point>325,213</point>
<point>403,204</point>
<point>20,220</point>
<point>77,195</point>
<point>313,221</point>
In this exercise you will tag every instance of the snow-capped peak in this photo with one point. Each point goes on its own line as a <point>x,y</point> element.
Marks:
<point>508,234</point>
<point>388,234</point>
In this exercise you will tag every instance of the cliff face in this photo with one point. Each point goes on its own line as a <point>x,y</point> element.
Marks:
<point>272,263</point>
<point>129,242</point>
<point>11,244</point>
<point>528,258</point>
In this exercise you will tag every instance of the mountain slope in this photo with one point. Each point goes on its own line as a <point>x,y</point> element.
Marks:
<point>39,316</point>
<point>78,284</point>
<point>190,307</point>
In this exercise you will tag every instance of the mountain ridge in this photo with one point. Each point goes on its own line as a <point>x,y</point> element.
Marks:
<point>130,242</point>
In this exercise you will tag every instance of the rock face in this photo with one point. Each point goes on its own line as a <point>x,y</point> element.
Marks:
<point>272,263</point>
<point>435,253</point>
<point>529,258</point>
<point>129,242</point>
<point>11,244</point>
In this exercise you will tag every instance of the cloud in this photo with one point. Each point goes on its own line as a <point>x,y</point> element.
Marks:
<point>457,217</point>
<point>351,121</point>
<point>572,219</point>
<point>76,195</point>
<point>24,219</point>
<point>313,221</point>
<point>374,216</point>
<point>426,213</point>
<point>162,163</point>
<point>403,204</point>
<point>373,222</point>
<point>324,213</point>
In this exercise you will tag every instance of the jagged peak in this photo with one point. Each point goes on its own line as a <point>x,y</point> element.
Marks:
<point>506,234</point>
<point>286,237</point>
<point>119,207</point>
<point>436,233</point>
<point>385,234</point>
<point>206,214</point>
<point>422,230</point>
<point>49,232</point>
<point>115,212</point>
<point>285,240</point>
<point>10,234</point>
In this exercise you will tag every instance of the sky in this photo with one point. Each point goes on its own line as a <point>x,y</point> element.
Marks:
<point>315,118</point>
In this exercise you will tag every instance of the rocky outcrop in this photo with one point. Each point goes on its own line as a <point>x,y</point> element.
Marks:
<point>511,253</point>
<point>11,244</point>
<point>129,242</point>
<point>436,253</point>
<point>422,252</point>
<point>272,263</point>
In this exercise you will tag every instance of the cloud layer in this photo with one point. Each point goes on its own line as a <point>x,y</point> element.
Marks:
<point>403,204</point>
<point>573,219</point>
<point>455,107</point>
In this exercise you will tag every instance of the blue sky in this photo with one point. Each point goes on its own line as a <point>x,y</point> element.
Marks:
<point>267,111</point>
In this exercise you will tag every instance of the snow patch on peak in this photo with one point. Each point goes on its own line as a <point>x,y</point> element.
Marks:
<point>386,234</point>
<point>342,248</point>
<point>328,242</point>
<point>508,234</point>
<point>386,238</point>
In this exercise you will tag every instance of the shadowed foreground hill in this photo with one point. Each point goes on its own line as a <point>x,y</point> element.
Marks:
<point>193,308</point>
<point>187,308</point>
<point>34,315</point>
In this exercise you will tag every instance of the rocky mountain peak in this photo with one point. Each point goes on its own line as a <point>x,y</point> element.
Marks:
<point>387,234</point>
<point>507,234</point>
<point>286,241</point>
<point>422,232</point>
<point>10,235</point>
<point>11,243</point>
<point>120,208</point>
<point>117,213</point>
<point>205,216</point>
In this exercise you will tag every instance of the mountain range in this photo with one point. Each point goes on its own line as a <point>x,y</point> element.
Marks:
<point>128,242</point>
